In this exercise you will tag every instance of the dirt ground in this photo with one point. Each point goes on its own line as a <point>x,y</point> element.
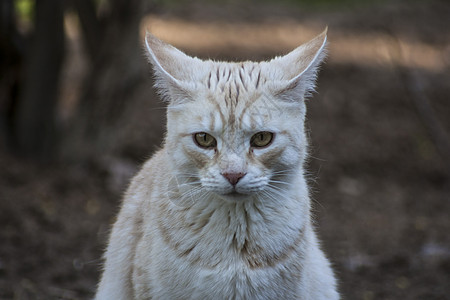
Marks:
<point>381,186</point>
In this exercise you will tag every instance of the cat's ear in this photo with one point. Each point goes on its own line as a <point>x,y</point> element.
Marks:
<point>175,72</point>
<point>299,68</point>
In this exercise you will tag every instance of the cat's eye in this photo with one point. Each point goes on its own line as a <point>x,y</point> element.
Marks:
<point>205,140</point>
<point>261,139</point>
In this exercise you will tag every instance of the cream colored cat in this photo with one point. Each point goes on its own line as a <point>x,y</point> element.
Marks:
<point>222,211</point>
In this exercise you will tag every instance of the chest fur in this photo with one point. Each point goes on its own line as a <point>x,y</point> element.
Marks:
<point>219,252</point>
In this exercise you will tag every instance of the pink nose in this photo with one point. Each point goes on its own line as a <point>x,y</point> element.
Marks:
<point>233,178</point>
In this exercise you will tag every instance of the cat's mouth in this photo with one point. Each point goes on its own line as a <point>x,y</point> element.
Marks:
<point>234,195</point>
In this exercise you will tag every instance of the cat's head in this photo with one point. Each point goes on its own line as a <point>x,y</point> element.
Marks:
<point>235,129</point>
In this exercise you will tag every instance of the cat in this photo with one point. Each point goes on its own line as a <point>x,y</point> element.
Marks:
<point>222,211</point>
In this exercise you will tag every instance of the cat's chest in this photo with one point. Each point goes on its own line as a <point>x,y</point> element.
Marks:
<point>219,252</point>
<point>168,276</point>
<point>186,264</point>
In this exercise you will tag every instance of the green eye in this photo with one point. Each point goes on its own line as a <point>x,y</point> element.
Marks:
<point>261,139</point>
<point>205,140</point>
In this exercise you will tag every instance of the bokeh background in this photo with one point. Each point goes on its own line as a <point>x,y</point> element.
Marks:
<point>78,116</point>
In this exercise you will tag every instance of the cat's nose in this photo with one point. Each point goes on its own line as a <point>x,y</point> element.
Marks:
<point>233,178</point>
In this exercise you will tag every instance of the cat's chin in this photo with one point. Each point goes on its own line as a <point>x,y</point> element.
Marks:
<point>234,196</point>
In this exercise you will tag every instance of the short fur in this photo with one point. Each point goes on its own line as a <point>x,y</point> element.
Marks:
<point>184,230</point>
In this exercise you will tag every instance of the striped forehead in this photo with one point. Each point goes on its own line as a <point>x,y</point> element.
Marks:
<point>231,115</point>
<point>233,79</point>
<point>233,88</point>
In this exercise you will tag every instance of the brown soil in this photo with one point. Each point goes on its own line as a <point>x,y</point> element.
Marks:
<point>381,187</point>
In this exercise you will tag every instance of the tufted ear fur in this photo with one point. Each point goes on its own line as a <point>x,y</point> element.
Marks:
<point>175,72</point>
<point>298,69</point>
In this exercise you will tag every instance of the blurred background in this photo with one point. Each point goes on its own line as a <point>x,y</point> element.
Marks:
<point>78,116</point>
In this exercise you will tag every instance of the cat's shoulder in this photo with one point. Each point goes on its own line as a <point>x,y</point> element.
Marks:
<point>156,161</point>
<point>149,174</point>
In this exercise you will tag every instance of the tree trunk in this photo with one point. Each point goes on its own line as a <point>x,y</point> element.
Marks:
<point>11,57</point>
<point>90,25</point>
<point>117,70</point>
<point>36,134</point>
